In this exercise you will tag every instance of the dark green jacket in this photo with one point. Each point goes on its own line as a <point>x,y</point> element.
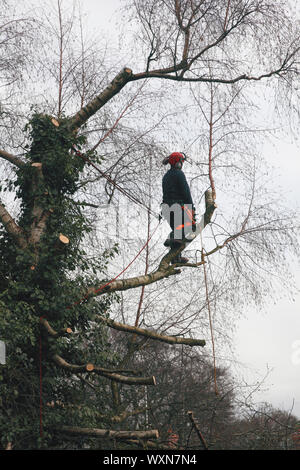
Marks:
<point>175,188</point>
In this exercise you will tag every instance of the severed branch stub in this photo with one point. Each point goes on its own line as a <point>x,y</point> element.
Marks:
<point>62,242</point>
<point>52,332</point>
<point>210,206</point>
<point>114,376</point>
<point>63,239</point>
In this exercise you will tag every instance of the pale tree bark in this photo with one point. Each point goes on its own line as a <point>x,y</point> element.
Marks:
<point>108,434</point>
<point>100,100</point>
<point>151,334</point>
<point>12,159</point>
<point>12,228</point>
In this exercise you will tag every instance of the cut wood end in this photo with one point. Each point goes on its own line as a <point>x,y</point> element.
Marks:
<point>89,367</point>
<point>63,239</point>
<point>156,434</point>
<point>37,165</point>
<point>32,268</point>
<point>55,122</point>
<point>69,330</point>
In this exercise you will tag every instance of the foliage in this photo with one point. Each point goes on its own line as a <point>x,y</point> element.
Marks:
<point>204,43</point>
<point>39,283</point>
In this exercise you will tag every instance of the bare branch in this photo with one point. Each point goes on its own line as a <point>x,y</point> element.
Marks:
<point>12,159</point>
<point>151,334</point>
<point>12,228</point>
<point>89,368</point>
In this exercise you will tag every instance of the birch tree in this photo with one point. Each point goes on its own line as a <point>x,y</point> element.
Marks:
<point>56,298</point>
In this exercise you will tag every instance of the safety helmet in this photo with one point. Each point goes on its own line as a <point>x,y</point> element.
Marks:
<point>175,159</point>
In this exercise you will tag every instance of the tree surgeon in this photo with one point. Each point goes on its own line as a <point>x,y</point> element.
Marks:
<point>177,206</point>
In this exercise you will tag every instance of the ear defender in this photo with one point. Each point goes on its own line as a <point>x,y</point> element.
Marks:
<point>175,159</point>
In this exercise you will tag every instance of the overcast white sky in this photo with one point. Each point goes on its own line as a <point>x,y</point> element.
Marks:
<point>268,340</point>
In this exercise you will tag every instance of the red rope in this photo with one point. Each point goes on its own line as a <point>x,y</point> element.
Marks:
<point>125,269</point>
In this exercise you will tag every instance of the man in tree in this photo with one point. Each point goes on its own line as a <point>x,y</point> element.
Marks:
<point>177,206</point>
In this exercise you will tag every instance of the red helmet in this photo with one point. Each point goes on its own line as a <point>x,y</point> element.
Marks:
<point>174,159</point>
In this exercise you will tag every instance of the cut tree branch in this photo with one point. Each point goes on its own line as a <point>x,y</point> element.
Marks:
<point>151,334</point>
<point>88,368</point>
<point>108,434</point>
<point>169,73</point>
<point>137,281</point>
<point>52,332</point>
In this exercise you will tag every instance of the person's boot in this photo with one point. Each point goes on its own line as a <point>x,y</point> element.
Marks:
<point>179,259</point>
<point>168,242</point>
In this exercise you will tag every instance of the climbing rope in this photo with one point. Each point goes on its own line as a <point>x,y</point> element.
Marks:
<point>210,318</point>
<point>116,277</point>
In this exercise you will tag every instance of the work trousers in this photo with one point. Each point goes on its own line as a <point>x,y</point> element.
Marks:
<point>181,220</point>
